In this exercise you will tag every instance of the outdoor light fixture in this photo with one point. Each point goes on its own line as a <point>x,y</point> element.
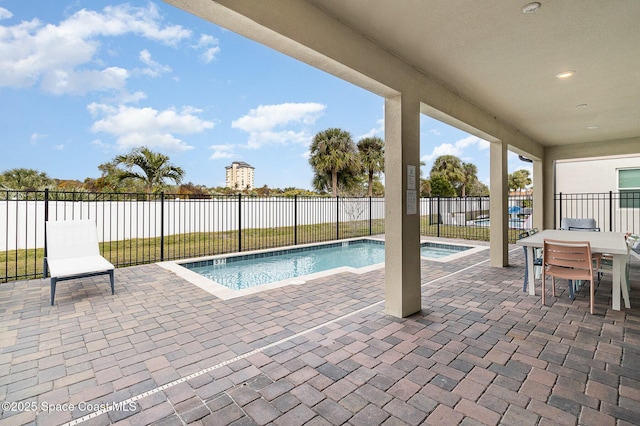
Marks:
<point>531,7</point>
<point>565,74</point>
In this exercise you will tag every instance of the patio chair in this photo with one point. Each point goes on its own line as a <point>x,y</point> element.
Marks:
<point>73,252</point>
<point>606,264</point>
<point>633,241</point>
<point>588,224</point>
<point>537,260</point>
<point>570,260</point>
<point>583,225</point>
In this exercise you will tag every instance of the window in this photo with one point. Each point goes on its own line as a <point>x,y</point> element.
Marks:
<point>629,187</point>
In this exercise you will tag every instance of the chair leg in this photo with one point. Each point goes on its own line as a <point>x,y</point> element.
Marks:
<point>112,282</point>
<point>544,279</point>
<point>53,289</point>
<point>553,286</point>
<point>526,271</point>
<point>572,295</point>
<point>592,294</point>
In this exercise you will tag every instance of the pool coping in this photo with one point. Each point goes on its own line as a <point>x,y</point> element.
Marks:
<point>225,293</point>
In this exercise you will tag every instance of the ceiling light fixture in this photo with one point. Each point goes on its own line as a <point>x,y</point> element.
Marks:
<point>531,7</point>
<point>581,106</point>
<point>565,74</point>
<point>593,127</point>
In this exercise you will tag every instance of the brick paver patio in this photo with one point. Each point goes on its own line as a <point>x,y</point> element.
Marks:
<point>163,351</point>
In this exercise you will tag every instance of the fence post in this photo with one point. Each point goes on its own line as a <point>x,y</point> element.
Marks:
<point>337,217</point>
<point>239,222</point>
<point>610,211</point>
<point>370,217</point>
<point>46,218</point>
<point>559,209</point>
<point>295,219</point>
<point>162,226</point>
<point>438,216</point>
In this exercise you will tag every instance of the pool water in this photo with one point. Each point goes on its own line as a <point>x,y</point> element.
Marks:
<point>245,271</point>
<point>513,223</point>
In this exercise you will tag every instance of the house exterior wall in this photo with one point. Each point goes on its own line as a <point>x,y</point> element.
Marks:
<point>591,175</point>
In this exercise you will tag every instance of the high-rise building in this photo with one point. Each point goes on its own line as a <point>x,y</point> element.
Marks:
<point>239,175</point>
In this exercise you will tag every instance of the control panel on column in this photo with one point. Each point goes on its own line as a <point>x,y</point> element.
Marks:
<point>412,194</point>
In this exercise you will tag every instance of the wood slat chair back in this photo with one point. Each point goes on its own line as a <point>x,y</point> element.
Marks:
<point>571,260</point>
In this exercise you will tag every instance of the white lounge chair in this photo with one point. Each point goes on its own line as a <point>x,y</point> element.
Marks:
<point>73,252</point>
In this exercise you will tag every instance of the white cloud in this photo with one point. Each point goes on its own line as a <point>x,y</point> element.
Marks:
<point>62,58</point>
<point>456,148</point>
<point>5,14</point>
<point>35,137</point>
<point>222,151</point>
<point>154,69</point>
<point>434,132</point>
<point>133,127</point>
<point>209,46</point>
<point>266,117</point>
<point>135,97</point>
<point>261,123</point>
<point>59,82</point>
<point>376,131</point>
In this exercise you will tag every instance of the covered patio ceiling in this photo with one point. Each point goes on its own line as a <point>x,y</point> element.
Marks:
<point>506,61</point>
<point>489,53</point>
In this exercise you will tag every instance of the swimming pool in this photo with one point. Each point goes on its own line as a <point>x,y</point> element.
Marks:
<point>485,223</point>
<point>245,271</point>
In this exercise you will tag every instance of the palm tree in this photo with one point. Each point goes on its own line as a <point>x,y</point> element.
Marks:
<point>155,168</point>
<point>450,168</point>
<point>470,172</point>
<point>371,152</point>
<point>333,151</point>
<point>519,179</point>
<point>21,179</point>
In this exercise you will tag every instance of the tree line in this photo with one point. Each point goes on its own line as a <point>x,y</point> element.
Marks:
<point>341,168</point>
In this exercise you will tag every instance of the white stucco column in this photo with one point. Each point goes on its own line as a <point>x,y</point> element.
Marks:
<point>402,207</point>
<point>498,232</point>
<point>548,207</point>
<point>538,193</point>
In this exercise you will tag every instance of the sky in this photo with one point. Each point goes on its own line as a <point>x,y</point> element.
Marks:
<point>84,81</point>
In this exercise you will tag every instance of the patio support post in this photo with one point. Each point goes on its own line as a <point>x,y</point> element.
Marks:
<point>402,210</point>
<point>548,193</point>
<point>498,205</point>
<point>538,200</point>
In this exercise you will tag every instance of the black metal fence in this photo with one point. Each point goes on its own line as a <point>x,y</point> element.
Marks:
<point>613,211</point>
<point>136,228</point>
<point>139,228</point>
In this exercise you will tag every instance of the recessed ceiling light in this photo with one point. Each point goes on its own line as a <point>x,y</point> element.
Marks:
<point>565,74</point>
<point>581,106</point>
<point>531,7</point>
<point>593,127</point>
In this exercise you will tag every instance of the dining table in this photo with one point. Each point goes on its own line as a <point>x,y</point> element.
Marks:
<point>610,243</point>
